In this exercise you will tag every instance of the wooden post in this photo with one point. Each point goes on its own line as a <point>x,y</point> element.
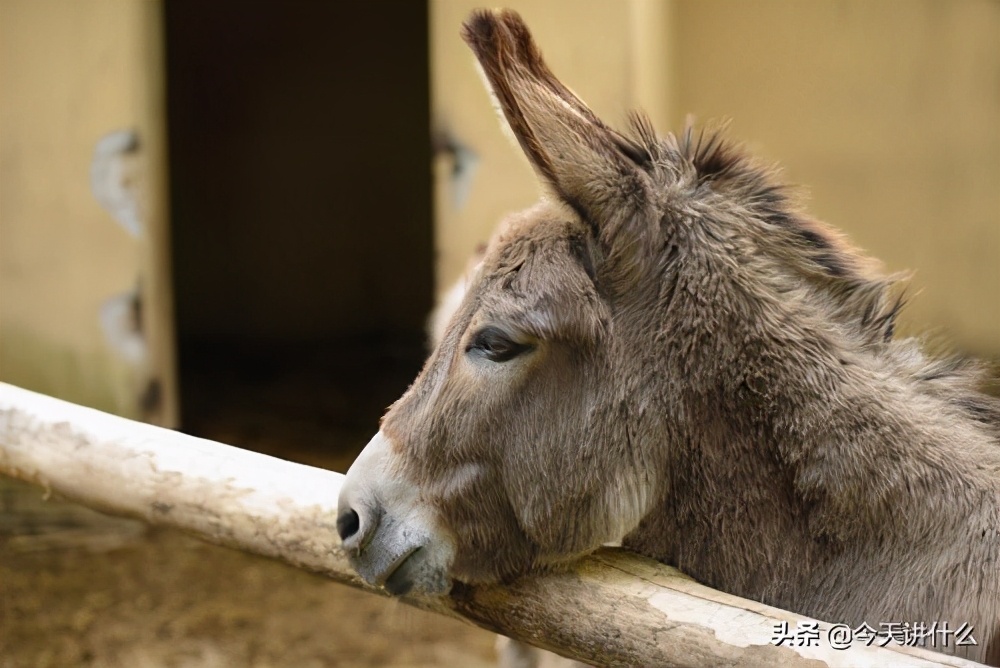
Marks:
<point>613,608</point>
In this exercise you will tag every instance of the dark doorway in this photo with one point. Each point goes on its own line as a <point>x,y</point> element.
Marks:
<point>301,216</point>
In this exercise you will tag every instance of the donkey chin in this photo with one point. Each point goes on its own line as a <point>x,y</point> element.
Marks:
<point>391,539</point>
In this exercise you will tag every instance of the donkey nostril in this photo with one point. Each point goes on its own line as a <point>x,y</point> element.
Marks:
<point>348,524</point>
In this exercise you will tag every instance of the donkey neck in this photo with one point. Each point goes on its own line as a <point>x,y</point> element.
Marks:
<point>786,456</point>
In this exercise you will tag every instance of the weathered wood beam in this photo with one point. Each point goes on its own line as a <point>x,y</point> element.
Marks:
<point>612,609</point>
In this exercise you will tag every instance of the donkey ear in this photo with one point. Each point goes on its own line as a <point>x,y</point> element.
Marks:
<point>591,167</point>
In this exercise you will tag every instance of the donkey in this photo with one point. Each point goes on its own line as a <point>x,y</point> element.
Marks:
<point>668,353</point>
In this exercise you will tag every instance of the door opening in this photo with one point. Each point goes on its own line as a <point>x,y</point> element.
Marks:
<point>300,174</point>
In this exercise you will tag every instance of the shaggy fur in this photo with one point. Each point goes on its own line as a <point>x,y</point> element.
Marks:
<point>707,373</point>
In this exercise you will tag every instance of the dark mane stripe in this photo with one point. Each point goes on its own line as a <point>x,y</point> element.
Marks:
<point>815,249</point>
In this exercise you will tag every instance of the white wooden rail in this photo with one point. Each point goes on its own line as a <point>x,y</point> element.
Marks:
<point>613,608</point>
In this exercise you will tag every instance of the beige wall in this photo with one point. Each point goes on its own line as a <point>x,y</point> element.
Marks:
<point>887,112</point>
<point>72,71</point>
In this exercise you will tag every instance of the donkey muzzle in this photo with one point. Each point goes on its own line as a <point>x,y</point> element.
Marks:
<point>388,535</point>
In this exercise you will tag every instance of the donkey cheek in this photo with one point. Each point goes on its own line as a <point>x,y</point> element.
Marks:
<point>490,546</point>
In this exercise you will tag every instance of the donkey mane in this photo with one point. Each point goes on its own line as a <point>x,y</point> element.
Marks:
<point>849,284</point>
<point>861,296</point>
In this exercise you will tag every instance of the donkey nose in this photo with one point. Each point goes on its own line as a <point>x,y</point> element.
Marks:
<point>348,524</point>
<point>356,524</point>
<point>358,515</point>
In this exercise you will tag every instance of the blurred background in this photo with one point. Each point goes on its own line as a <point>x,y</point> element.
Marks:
<point>232,218</point>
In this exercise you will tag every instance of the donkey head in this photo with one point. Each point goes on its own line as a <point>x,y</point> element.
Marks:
<point>532,435</point>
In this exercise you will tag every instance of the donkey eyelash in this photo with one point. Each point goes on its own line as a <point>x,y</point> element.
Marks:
<point>496,346</point>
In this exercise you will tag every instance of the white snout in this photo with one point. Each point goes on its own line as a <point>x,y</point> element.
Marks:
<point>391,537</point>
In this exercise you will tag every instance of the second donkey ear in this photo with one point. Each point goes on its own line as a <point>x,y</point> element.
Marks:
<point>591,167</point>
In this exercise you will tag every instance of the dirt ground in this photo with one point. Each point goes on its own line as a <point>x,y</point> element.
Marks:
<point>81,589</point>
<point>127,596</point>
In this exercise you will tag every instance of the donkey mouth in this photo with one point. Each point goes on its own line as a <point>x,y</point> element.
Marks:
<point>417,572</point>
<point>399,579</point>
<point>376,563</point>
<point>411,570</point>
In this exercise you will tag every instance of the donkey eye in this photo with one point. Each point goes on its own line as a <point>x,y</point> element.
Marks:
<point>496,346</point>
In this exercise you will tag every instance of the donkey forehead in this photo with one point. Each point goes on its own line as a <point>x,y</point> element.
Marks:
<point>541,248</point>
<point>535,273</point>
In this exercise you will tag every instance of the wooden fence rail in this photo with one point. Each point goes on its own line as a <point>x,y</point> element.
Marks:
<point>612,608</point>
